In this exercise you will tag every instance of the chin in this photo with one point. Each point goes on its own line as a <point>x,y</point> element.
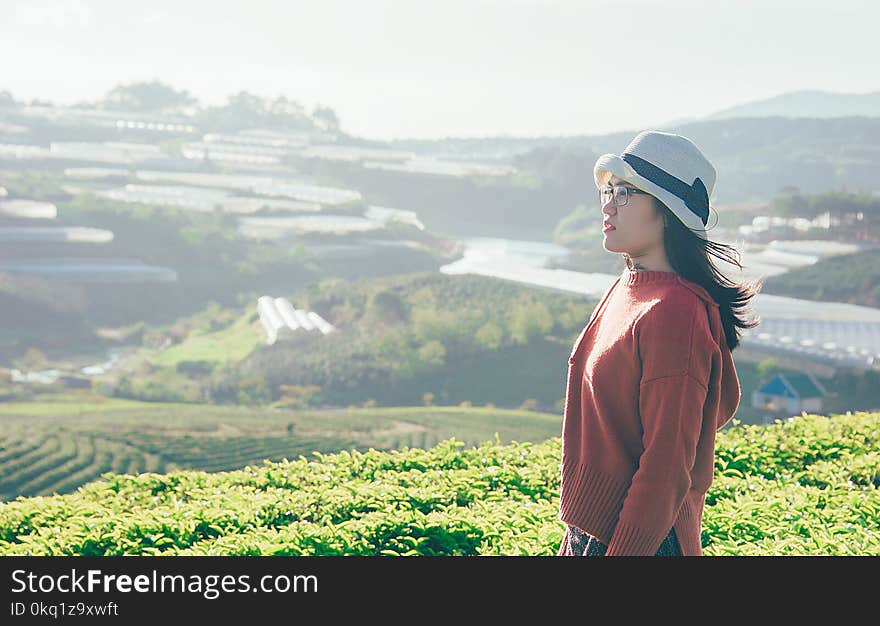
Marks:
<point>610,247</point>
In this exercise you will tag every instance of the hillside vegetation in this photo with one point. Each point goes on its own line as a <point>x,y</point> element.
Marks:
<point>804,486</point>
<point>851,278</point>
<point>459,338</point>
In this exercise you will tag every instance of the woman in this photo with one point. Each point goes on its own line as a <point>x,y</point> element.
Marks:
<point>651,377</point>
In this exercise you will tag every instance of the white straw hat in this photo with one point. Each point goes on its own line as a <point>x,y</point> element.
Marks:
<point>669,167</point>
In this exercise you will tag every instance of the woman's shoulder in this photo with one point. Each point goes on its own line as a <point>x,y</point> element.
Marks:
<point>684,309</point>
<point>675,300</point>
<point>675,336</point>
<point>696,289</point>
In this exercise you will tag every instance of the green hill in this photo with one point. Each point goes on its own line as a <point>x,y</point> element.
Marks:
<point>804,486</point>
<point>460,338</point>
<point>851,278</point>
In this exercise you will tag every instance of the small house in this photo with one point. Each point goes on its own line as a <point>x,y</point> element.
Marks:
<point>789,394</point>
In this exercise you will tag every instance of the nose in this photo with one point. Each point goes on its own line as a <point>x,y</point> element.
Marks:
<point>609,206</point>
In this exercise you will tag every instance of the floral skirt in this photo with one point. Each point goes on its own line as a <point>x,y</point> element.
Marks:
<point>581,543</point>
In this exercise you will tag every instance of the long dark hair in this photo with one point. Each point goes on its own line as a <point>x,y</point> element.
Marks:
<point>689,254</point>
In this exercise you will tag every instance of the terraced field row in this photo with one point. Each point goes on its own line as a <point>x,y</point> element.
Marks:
<point>42,454</point>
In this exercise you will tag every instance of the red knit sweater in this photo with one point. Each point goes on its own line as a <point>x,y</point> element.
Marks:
<point>650,381</point>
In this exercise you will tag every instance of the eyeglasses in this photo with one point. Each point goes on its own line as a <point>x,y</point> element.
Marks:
<point>620,193</point>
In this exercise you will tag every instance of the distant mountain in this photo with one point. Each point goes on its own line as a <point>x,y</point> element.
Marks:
<point>756,157</point>
<point>806,103</point>
<point>677,122</point>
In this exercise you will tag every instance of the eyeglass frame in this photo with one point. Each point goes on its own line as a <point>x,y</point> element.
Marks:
<point>628,189</point>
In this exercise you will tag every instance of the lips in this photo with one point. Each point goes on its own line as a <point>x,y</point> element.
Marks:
<point>606,227</point>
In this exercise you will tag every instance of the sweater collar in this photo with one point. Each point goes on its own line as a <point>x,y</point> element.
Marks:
<point>633,277</point>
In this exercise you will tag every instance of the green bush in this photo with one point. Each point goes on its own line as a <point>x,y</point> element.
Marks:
<point>196,368</point>
<point>809,485</point>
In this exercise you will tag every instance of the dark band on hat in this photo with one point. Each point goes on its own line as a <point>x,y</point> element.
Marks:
<point>694,196</point>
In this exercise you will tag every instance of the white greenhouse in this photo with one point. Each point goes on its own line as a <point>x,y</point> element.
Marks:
<point>280,319</point>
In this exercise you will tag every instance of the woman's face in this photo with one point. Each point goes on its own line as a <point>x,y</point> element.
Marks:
<point>638,226</point>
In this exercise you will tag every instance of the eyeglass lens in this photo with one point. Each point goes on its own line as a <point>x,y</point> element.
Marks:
<point>620,195</point>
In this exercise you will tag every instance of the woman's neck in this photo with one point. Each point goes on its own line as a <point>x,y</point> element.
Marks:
<point>635,266</point>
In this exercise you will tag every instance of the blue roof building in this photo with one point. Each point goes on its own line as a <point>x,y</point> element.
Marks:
<point>789,394</point>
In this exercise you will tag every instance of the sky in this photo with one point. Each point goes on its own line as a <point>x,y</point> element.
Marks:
<point>396,69</point>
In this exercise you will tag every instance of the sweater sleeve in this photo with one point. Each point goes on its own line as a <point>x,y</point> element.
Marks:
<point>676,359</point>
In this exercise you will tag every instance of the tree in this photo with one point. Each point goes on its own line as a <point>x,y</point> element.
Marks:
<point>152,96</point>
<point>767,368</point>
<point>33,358</point>
<point>6,99</point>
<point>254,391</point>
<point>530,320</point>
<point>489,336</point>
<point>432,354</point>
<point>326,118</point>
<point>387,306</point>
<point>195,368</point>
<point>282,106</point>
<point>300,396</point>
<point>247,110</point>
<point>428,324</point>
<point>124,388</point>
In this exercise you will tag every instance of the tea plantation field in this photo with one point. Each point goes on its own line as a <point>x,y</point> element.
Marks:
<point>56,446</point>
<point>809,485</point>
